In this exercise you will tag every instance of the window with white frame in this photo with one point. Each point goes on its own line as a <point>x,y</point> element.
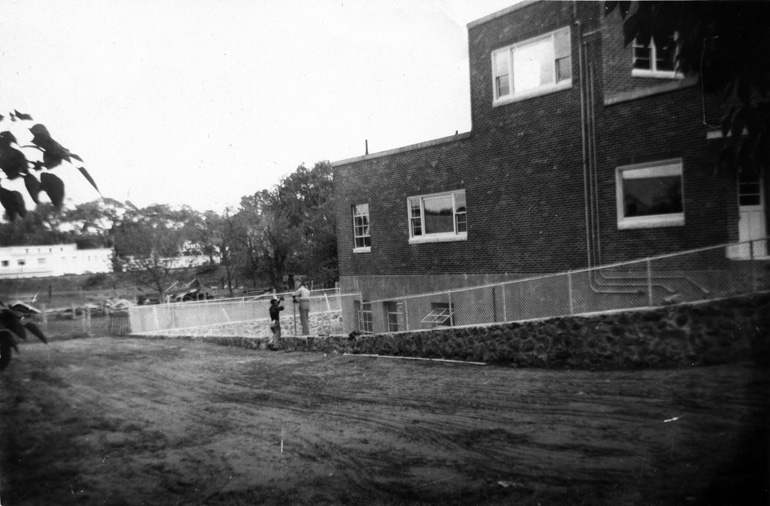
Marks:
<point>650,195</point>
<point>365,324</point>
<point>532,67</point>
<point>394,315</point>
<point>654,61</point>
<point>438,217</point>
<point>362,240</point>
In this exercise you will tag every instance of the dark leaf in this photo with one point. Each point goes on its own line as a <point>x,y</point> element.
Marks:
<point>624,7</point>
<point>22,116</point>
<point>630,28</point>
<point>12,161</point>
<point>21,206</point>
<point>609,6</point>
<point>6,344</point>
<point>9,203</point>
<point>11,320</point>
<point>33,187</point>
<point>727,122</point>
<point>54,187</point>
<point>36,331</point>
<point>739,122</point>
<point>52,159</point>
<point>89,178</point>
<point>53,152</point>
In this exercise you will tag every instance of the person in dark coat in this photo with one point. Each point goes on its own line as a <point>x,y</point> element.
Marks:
<point>276,306</point>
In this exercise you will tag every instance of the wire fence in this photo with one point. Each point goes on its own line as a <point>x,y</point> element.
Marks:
<point>189,315</point>
<point>706,273</point>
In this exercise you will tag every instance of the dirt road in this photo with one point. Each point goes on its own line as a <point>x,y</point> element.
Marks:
<point>107,421</point>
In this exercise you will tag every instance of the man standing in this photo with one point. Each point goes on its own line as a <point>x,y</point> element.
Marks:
<point>302,296</point>
<point>276,306</point>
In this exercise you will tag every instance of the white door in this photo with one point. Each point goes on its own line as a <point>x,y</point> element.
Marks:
<point>751,208</point>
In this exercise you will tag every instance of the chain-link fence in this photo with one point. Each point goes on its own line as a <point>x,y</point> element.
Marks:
<point>707,273</point>
<point>207,313</point>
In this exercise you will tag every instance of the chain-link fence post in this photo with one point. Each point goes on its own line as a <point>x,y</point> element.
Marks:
<point>451,310</point>
<point>649,282</point>
<point>502,292</point>
<point>406,316</point>
<point>569,292</point>
<point>752,271</point>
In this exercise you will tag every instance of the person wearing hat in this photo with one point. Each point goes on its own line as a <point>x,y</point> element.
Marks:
<point>302,296</point>
<point>276,306</point>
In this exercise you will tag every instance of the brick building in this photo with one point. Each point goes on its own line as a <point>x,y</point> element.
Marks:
<point>595,153</point>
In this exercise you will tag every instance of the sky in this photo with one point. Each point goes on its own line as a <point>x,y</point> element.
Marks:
<point>201,102</point>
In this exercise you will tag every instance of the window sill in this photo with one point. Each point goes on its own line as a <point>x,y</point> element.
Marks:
<point>438,238</point>
<point>657,74</point>
<point>367,249</point>
<point>565,85</point>
<point>651,222</point>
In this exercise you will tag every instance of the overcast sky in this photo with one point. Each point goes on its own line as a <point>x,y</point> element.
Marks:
<point>201,102</point>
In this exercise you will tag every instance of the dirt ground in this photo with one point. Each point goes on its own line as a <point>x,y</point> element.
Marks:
<point>108,421</point>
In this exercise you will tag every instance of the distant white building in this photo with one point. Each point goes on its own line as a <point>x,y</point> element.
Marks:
<point>52,260</point>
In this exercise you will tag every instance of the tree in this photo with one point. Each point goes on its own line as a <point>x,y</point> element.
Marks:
<point>267,241</point>
<point>727,45</point>
<point>48,154</point>
<point>148,244</point>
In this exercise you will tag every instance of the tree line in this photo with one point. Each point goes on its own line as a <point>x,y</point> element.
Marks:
<point>271,236</point>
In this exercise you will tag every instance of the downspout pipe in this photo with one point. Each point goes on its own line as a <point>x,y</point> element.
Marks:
<point>583,132</point>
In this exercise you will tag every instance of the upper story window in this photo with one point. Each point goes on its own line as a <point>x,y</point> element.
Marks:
<point>5,263</point>
<point>532,67</point>
<point>438,217</point>
<point>654,61</point>
<point>650,195</point>
<point>362,240</point>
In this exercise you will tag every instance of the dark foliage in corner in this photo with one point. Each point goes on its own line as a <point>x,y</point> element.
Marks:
<point>726,44</point>
<point>15,164</point>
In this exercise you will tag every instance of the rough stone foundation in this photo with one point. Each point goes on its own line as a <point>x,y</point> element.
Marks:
<point>706,333</point>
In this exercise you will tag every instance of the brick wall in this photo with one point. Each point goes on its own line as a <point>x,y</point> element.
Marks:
<point>522,166</point>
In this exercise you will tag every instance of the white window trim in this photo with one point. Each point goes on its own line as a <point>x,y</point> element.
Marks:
<point>361,249</point>
<point>527,94</point>
<point>442,237</point>
<point>658,168</point>
<point>654,72</point>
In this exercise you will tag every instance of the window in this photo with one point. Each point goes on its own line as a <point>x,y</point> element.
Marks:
<point>362,240</point>
<point>365,317</point>
<point>533,67</point>
<point>21,262</point>
<point>5,263</point>
<point>650,195</point>
<point>441,314</point>
<point>394,315</point>
<point>438,217</point>
<point>652,61</point>
<point>41,261</point>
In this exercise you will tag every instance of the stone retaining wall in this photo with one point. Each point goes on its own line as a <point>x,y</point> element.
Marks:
<point>326,323</point>
<point>720,331</point>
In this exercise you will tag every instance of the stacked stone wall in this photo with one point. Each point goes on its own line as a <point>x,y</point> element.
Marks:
<point>721,331</point>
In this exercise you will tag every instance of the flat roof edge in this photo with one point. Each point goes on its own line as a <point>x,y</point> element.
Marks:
<point>403,149</point>
<point>501,13</point>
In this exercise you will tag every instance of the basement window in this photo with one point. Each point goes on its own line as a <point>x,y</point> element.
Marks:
<point>441,314</point>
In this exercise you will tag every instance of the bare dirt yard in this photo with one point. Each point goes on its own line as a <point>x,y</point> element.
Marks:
<point>106,421</point>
